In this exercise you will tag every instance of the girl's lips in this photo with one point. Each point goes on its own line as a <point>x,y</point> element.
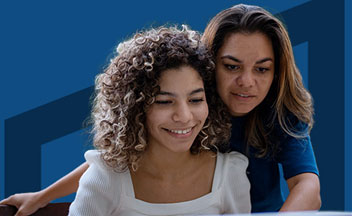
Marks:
<point>180,133</point>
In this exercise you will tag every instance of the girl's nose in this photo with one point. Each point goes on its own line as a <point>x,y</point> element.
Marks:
<point>182,113</point>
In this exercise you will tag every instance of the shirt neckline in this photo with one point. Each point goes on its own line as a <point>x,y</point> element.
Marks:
<point>129,190</point>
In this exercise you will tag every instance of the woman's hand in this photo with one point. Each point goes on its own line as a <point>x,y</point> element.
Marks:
<point>26,203</point>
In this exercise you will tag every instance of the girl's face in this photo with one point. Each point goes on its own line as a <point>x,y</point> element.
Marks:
<point>244,71</point>
<point>180,109</point>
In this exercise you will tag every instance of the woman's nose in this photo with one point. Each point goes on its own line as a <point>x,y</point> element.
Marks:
<point>245,79</point>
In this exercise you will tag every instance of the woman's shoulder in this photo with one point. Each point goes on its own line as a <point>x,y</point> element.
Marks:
<point>293,124</point>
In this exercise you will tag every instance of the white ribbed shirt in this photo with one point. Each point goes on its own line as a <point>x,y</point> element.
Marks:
<point>103,192</point>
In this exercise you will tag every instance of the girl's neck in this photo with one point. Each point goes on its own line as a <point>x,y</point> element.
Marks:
<point>163,163</point>
<point>170,178</point>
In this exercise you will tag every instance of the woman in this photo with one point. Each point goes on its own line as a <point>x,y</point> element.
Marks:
<point>272,112</point>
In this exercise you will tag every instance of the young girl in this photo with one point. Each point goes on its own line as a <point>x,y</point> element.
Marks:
<point>156,137</point>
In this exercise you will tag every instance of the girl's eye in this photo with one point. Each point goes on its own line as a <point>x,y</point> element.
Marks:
<point>163,102</point>
<point>262,69</point>
<point>198,100</point>
<point>232,67</point>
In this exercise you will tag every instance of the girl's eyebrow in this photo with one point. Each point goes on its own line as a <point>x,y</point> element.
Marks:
<point>196,91</point>
<point>174,95</point>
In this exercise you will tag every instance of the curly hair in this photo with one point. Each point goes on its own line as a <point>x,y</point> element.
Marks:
<point>129,84</point>
<point>287,101</point>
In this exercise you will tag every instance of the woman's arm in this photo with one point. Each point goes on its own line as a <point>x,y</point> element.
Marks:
<point>66,185</point>
<point>28,203</point>
<point>304,193</point>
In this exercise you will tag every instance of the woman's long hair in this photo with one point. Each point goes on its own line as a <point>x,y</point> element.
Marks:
<point>287,95</point>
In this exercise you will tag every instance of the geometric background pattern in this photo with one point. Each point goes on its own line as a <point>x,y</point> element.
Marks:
<point>51,51</point>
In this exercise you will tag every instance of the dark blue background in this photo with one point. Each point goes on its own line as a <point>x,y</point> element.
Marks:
<point>51,51</point>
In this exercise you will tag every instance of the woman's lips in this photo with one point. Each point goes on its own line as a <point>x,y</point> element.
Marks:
<point>242,96</point>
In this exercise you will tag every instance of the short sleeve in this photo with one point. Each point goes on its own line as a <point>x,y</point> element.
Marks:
<point>236,186</point>
<point>297,155</point>
<point>97,193</point>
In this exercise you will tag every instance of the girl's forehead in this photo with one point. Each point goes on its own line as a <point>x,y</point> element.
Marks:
<point>181,78</point>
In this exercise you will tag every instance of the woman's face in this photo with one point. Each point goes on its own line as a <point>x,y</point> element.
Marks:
<point>180,109</point>
<point>244,71</point>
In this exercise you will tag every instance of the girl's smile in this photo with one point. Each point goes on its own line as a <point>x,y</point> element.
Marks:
<point>179,111</point>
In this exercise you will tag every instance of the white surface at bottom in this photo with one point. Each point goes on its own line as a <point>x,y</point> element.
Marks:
<point>301,213</point>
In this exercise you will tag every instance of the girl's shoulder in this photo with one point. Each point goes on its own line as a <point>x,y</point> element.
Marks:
<point>95,158</point>
<point>233,159</point>
<point>99,190</point>
<point>233,182</point>
<point>226,161</point>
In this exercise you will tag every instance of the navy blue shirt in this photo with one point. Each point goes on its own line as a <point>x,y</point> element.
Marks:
<point>295,155</point>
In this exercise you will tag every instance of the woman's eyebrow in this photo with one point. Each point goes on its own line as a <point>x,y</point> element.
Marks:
<point>232,58</point>
<point>239,61</point>
<point>264,60</point>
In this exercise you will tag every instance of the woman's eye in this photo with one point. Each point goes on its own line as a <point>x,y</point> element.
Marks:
<point>262,69</point>
<point>198,100</point>
<point>163,102</point>
<point>232,67</point>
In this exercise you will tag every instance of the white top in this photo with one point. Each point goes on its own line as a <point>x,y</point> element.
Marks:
<point>104,192</point>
